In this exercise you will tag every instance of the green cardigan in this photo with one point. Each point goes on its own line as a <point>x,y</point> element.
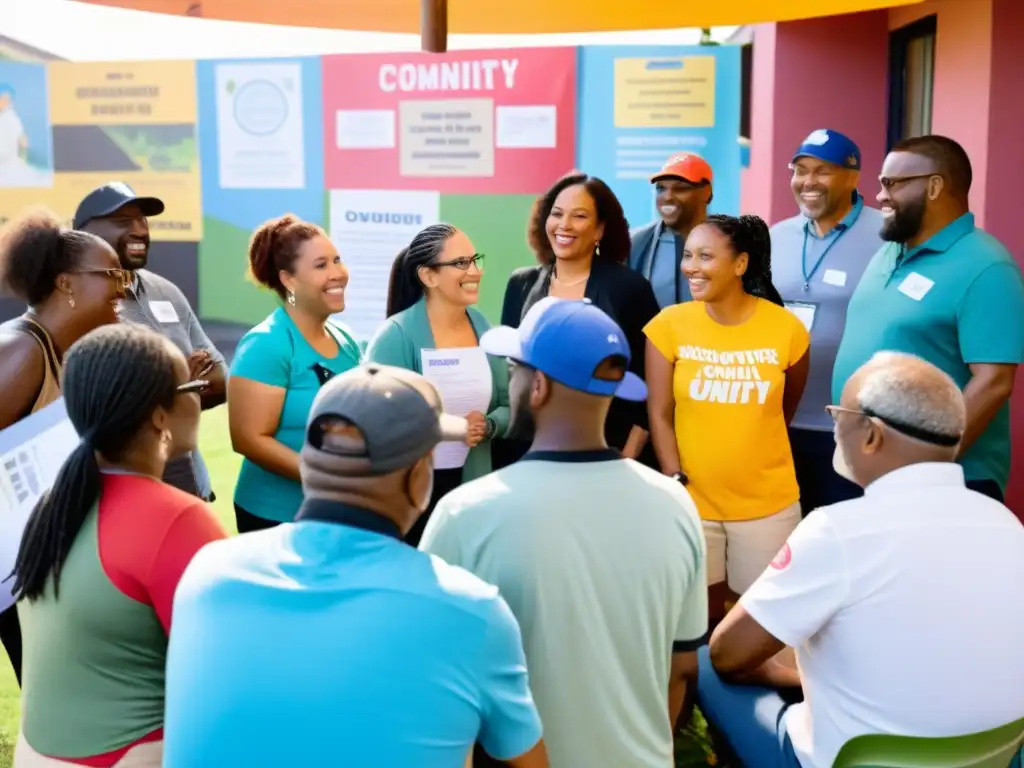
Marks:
<point>399,342</point>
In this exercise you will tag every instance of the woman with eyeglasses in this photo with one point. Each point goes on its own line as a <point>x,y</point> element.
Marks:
<point>435,282</point>
<point>102,554</point>
<point>72,283</point>
<point>280,365</point>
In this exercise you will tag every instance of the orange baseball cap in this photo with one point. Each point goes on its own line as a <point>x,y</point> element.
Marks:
<point>687,166</point>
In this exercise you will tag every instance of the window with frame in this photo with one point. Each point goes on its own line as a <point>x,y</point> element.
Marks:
<point>911,79</point>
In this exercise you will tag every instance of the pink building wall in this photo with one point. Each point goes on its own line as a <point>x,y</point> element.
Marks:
<point>833,72</point>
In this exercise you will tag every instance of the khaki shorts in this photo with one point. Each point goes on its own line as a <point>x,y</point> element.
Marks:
<point>148,755</point>
<point>739,552</point>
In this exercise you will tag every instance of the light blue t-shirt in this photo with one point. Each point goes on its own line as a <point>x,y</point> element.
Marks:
<point>320,644</point>
<point>277,354</point>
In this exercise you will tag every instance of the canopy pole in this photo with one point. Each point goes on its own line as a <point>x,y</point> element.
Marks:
<point>434,25</point>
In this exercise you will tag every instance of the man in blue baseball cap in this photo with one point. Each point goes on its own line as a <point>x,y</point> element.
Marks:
<point>818,257</point>
<point>601,559</point>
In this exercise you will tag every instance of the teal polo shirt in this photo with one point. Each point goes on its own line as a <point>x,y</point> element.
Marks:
<point>956,299</point>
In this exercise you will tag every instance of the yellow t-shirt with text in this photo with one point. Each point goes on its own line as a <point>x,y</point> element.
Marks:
<point>729,424</point>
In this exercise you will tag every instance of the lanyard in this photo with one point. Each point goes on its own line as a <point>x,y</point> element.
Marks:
<point>803,257</point>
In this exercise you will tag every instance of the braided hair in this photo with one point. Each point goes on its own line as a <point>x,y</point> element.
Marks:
<point>404,287</point>
<point>114,378</point>
<point>749,234</point>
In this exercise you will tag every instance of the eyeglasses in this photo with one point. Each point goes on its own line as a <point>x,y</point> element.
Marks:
<point>198,386</point>
<point>462,264</point>
<point>889,183</point>
<point>924,435</point>
<point>120,276</point>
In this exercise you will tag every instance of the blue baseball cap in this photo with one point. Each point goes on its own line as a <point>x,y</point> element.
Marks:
<point>831,147</point>
<point>567,340</point>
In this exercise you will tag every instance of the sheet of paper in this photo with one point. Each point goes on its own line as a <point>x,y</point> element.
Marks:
<point>31,453</point>
<point>369,228</point>
<point>463,379</point>
<point>523,127</point>
<point>804,312</point>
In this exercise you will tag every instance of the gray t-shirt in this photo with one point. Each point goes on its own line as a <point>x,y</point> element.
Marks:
<point>159,304</point>
<point>816,277</point>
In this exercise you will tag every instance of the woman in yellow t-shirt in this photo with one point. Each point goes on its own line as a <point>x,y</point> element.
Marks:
<point>725,373</point>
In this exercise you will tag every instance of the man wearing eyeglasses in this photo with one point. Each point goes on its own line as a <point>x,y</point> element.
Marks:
<point>900,627</point>
<point>818,257</point>
<point>944,290</point>
<point>116,214</point>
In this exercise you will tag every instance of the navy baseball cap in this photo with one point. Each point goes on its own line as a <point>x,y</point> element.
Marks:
<point>567,340</point>
<point>831,147</point>
<point>111,197</point>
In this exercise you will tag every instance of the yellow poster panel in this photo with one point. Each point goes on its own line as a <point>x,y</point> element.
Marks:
<point>182,219</point>
<point>122,93</point>
<point>665,93</point>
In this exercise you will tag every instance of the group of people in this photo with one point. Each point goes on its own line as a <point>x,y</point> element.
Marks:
<point>664,406</point>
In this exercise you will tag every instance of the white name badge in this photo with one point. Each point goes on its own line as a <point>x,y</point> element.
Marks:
<point>916,286</point>
<point>804,312</point>
<point>834,277</point>
<point>164,311</point>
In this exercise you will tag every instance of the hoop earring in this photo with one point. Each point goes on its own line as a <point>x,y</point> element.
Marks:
<point>291,298</point>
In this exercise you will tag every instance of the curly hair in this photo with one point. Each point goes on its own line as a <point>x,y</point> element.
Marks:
<point>615,243</point>
<point>749,234</point>
<point>35,249</point>
<point>275,246</point>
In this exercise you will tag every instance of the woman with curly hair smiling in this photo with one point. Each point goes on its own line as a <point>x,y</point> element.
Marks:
<point>581,239</point>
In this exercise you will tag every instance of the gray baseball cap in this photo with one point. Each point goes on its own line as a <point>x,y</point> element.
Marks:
<point>397,412</point>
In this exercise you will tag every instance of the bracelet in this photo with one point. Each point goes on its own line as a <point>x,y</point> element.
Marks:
<point>681,478</point>
<point>492,429</point>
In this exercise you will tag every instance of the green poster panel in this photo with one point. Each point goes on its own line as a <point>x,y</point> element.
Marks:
<point>497,226</point>
<point>225,291</point>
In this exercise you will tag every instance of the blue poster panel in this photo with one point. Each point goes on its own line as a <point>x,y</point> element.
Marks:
<point>638,105</point>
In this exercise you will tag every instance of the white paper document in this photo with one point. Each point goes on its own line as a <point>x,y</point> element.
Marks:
<point>260,133</point>
<point>31,453</point>
<point>369,228</point>
<point>804,311</point>
<point>463,379</point>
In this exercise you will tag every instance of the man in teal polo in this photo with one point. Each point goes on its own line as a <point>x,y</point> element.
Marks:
<point>944,290</point>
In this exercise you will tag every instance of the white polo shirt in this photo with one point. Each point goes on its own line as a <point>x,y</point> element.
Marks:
<point>906,610</point>
<point>602,561</point>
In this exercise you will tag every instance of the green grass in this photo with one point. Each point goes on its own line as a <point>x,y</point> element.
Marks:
<point>692,746</point>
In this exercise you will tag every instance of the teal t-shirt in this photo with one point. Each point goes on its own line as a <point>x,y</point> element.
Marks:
<point>276,353</point>
<point>954,300</point>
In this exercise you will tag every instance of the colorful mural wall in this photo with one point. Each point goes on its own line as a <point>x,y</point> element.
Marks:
<point>371,146</point>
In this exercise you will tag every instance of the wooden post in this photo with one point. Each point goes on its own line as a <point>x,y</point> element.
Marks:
<point>434,25</point>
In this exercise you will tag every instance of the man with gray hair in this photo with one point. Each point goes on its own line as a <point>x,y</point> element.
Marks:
<point>862,587</point>
<point>330,641</point>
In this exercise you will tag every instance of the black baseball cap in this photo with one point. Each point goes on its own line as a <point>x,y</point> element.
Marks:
<point>112,197</point>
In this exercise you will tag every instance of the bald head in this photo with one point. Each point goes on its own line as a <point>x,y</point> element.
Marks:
<point>914,413</point>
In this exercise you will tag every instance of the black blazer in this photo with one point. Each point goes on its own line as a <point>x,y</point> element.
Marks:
<point>627,298</point>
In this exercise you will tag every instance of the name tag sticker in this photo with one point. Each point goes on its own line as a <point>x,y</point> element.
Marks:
<point>834,277</point>
<point>164,311</point>
<point>804,312</point>
<point>916,286</point>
